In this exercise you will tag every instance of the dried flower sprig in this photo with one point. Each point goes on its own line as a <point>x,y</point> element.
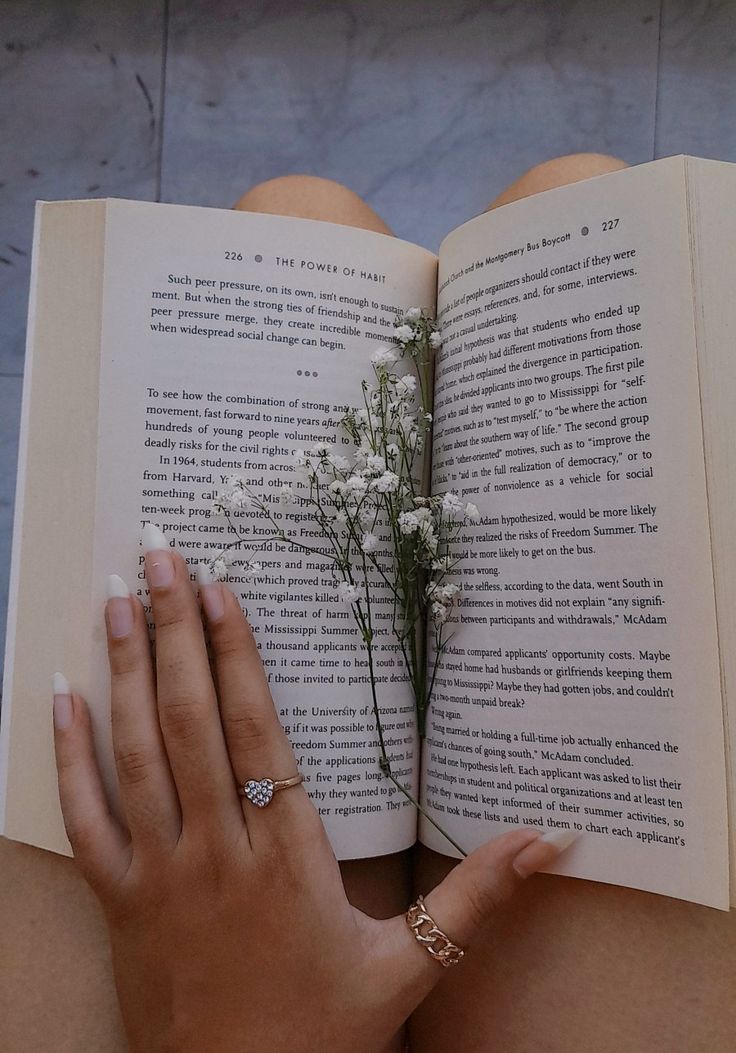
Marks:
<point>374,520</point>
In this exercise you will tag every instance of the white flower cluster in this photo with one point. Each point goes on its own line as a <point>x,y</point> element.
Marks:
<point>223,561</point>
<point>235,497</point>
<point>413,328</point>
<point>442,598</point>
<point>367,506</point>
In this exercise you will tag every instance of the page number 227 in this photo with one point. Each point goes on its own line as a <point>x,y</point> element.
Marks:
<point>609,224</point>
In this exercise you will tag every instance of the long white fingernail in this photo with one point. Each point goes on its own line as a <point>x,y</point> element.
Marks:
<point>61,685</point>
<point>153,539</point>
<point>560,839</point>
<point>63,702</point>
<point>116,587</point>
<point>543,851</point>
<point>211,592</point>
<point>204,574</point>
<point>159,570</point>
<point>119,608</point>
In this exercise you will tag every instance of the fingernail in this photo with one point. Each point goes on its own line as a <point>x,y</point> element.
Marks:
<point>119,610</point>
<point>63,706</point>
<point>561,839</point>
<point>159,563</point>
<point>210,590</point>
<point>541,852</point>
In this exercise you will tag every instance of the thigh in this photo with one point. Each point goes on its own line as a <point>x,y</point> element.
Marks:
<point>570,966</point>
<point>56,986</point>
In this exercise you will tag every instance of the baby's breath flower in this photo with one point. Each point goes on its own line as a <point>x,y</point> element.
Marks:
<point>383,357</point>
<point>251,568</point>
<point>342,464</point>
<point>240,500</point>
<point>376,463</point>
<point>406,385</point>
<point>356,485</point>
<point>286,493</point>
<point>369,542</point>
<point>348,593</point>
<point>337,487</point>
<point>472,513</point>
<point>435,340</point>
<point>413,314</point>
<point>443,593</point>
<point>439,612</point>
<point>452,505</point>
<point>404,333</point>
<point>388,483</point>
<point>408,522</point>
<point>218,566</point>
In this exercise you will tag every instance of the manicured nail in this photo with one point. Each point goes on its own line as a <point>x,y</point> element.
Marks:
<point>63,705</point>
<point>210,590</point>
<point>561,839</point>
<point>159,563</point>
<point>541,852</point>
<point>119,610</point>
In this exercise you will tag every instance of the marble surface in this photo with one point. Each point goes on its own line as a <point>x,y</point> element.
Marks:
<point>426,109</point>
<point>696,101</point>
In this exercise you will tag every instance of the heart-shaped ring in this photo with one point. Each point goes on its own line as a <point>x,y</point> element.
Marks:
<point>260,791</point>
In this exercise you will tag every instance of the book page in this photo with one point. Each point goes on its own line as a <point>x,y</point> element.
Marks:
<point>581,689</point>
<point>711,186</point>
<point>229,340</point>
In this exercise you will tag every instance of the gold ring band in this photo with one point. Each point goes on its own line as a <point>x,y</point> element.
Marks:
<point>426,931</point>
<point>260,791</point>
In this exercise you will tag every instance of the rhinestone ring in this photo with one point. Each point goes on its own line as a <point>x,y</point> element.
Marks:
<point>260,791</point>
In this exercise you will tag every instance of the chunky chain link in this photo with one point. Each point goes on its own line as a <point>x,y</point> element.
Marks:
<point>433,939</point>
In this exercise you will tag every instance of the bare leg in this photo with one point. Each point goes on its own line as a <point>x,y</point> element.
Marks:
<point>572,966</point>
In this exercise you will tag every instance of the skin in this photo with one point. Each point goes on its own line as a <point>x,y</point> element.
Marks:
<point>229,925</point>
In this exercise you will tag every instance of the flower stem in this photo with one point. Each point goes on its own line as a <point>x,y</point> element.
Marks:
<point>386,769</point>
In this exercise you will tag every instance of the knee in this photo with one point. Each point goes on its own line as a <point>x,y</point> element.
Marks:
<point>559,171</point>
<point>311,197</point>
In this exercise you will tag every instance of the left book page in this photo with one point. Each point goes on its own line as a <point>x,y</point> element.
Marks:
<point>170,347</point>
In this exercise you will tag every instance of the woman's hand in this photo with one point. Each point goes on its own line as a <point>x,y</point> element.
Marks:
<point>229,924</point>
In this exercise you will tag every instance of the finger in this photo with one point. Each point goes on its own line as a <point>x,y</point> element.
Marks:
<point>187,703</point>
<point>101,847</point>
<point>466,900</point>
<point>147,790</point>
<point>256,741</point>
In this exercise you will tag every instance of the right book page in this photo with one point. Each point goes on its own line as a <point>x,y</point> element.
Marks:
<point>581,689</point>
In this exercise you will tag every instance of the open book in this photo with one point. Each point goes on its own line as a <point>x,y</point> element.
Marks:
<point>584,400</point>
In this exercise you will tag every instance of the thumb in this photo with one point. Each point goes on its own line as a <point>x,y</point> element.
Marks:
<point>463,902</point>
<point>471,892</point>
